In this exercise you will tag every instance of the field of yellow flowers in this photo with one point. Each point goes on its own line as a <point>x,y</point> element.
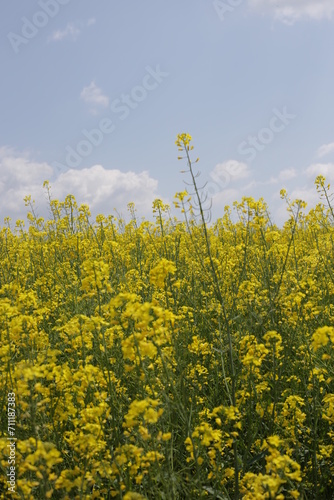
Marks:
<point>169,359</point>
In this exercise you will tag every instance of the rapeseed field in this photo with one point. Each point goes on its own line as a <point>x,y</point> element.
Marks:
<point>173,359</point>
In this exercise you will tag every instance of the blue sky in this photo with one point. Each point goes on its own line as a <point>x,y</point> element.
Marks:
<point>93,95</point>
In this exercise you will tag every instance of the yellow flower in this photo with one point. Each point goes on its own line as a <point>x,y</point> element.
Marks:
<point>183,140</point>
<point>322,336</point>
<point>274,441</point>
<point>160,272</point>
<point>131,495</point>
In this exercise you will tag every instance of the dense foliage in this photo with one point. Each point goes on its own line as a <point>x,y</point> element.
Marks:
<point>168,359</point>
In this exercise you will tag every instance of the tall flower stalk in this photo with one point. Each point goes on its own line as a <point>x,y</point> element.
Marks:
<point>183,142</point>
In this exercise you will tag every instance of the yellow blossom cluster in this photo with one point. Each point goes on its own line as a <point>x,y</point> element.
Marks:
<point>169,359</point>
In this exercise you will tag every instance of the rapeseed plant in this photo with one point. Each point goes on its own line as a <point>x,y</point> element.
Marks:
<point>169,359</point>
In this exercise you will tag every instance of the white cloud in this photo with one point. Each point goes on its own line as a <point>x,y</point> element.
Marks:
<point>72,30</point>
<point>18,171</point>
<point>325,169</point>
<point>226,197</point>
<point>290,11</point>
<point>306,193</point>
<point>102,189</point>
<point>299,185</point>
<point>284,175</point>
<point>287,174</point>
<point>19,177</point>
<point>325,150</point>
<point>94,95</point>
<point>230,170</point>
